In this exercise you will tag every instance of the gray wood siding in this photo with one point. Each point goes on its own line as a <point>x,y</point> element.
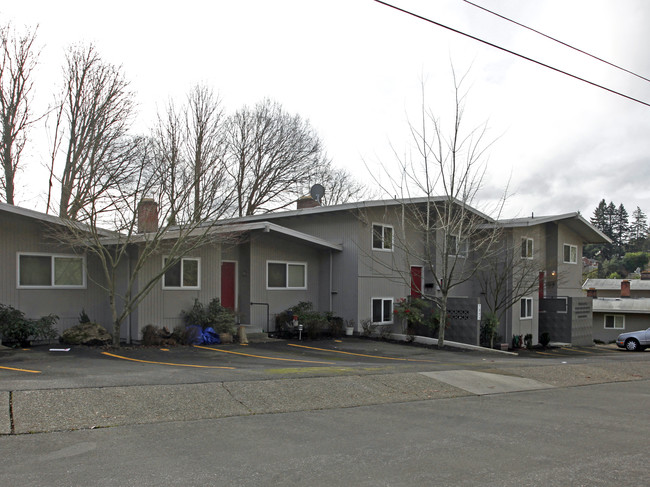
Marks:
<point>267,246</point>
<point>569,275</point>
<point>163,307</point>
<point>341,228</point>
<point>20,234</point>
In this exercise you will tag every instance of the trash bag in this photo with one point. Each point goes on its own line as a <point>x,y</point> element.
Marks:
<point>211,337</point>
<point>194,334</point>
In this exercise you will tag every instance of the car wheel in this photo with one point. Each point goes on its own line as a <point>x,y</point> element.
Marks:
<point>632,345</point>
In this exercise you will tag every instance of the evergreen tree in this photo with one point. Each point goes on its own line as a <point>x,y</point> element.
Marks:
<point>638,230</point>
<point>620,229</point>
<point>598,220</point>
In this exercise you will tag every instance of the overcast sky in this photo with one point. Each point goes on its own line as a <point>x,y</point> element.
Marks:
<point>353,68</point>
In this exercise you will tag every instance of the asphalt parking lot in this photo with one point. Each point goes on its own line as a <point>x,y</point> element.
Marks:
<point>41,368</point>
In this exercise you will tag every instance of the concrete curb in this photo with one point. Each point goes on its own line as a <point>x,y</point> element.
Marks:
<point>434,341</point>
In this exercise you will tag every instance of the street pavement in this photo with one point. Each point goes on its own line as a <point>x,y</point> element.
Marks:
<point>45,391</point>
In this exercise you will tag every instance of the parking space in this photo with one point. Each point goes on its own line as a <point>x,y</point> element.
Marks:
<point>92,367</point>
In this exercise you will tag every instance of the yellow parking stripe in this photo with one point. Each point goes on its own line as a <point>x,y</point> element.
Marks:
<point>363,355</point>
<point>22,370</point>
<point>576,350</point>
<point>167,363</point>
<point>545,353</point>
<point>261,356</point>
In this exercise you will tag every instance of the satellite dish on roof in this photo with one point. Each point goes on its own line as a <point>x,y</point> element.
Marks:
<point>317,192</point>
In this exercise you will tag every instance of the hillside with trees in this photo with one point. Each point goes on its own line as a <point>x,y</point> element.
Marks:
<point>630,247</point>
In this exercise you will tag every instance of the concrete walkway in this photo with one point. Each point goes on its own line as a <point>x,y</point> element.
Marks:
<point>44,410</point>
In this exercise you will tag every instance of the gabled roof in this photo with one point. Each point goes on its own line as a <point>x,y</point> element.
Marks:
<point>234,229</point>
<point>615,284</point>
<point>360,205</point>
<point>51,219</point>
<point>575,221</point>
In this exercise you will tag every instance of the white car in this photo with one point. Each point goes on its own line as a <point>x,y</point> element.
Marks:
<point>634,341</point>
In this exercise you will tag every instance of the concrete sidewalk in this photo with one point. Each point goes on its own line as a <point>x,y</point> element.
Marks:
<point>32,411</point>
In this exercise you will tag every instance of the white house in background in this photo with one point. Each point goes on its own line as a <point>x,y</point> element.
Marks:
<point>619,305</point>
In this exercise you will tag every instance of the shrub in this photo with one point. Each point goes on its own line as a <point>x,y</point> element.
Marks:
<point>367,328</point>
<point>336,326</point>
<point>214,315</point>
<point>15,328</point>
<point>545,339</point>
<point>83,317</point>
<point>314,323</point>
<point>489,329</point>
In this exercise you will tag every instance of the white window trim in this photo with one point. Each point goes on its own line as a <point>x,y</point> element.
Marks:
<point>52,257</point>
<point>528,317</point>
<point>532,247</point>
<point>462,247</point>
<point>571,246</point>
<point>392,301</point>
<point>566,304</point>
<point>181,287</point>
<point>383,247</point>
<point>614,327</point>
<point>287,264</point>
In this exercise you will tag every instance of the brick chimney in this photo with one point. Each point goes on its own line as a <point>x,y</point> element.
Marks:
<point>147,215</point>
<point>592,293</point>
<point>625,288</point>
<point>306,202</point>
<point>645,275</point>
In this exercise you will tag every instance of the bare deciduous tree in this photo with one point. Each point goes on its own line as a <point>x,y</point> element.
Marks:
<point>190,150</point>
<point>272,156</point>
<point>92,119</point>
<point>123,249</point>
<point>506,276</point>
<point>340,186</point>
<point>446,169</point>
<point>16,66</point>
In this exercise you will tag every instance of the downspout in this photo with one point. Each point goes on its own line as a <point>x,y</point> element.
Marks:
<point>128,317</point>
<point>331,284</point>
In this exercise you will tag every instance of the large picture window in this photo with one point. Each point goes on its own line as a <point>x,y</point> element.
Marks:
<point>184,274</point>
<point>382,310</point>
<point>382,237</point>
<point>526,311</point>
<point>570,254</point>
<point>286,275</point>
<point>53,270</point>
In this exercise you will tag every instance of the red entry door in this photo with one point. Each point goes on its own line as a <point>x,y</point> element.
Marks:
<point>416,281</point>
<point>228,285</point>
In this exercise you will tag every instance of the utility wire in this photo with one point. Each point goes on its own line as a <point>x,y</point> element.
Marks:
<point>557,40</point>
<point>511,52</point>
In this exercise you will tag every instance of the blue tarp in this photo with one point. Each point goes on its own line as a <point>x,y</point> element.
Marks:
<point>203,337</point>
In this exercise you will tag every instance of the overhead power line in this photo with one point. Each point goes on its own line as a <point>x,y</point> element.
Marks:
<point>557,40</point>
<point>512,52</point>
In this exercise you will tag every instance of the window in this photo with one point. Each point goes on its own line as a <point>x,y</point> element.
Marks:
<point>286,275</point>
<point>526,248</point>
<point>457,246</point>
<point>526,311</point>
<point>55,270</point>
<point>382,237</point>
<point>570,254</point>
<point>382,310</point>
<point>184,274</point>
<point>615,322</point>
